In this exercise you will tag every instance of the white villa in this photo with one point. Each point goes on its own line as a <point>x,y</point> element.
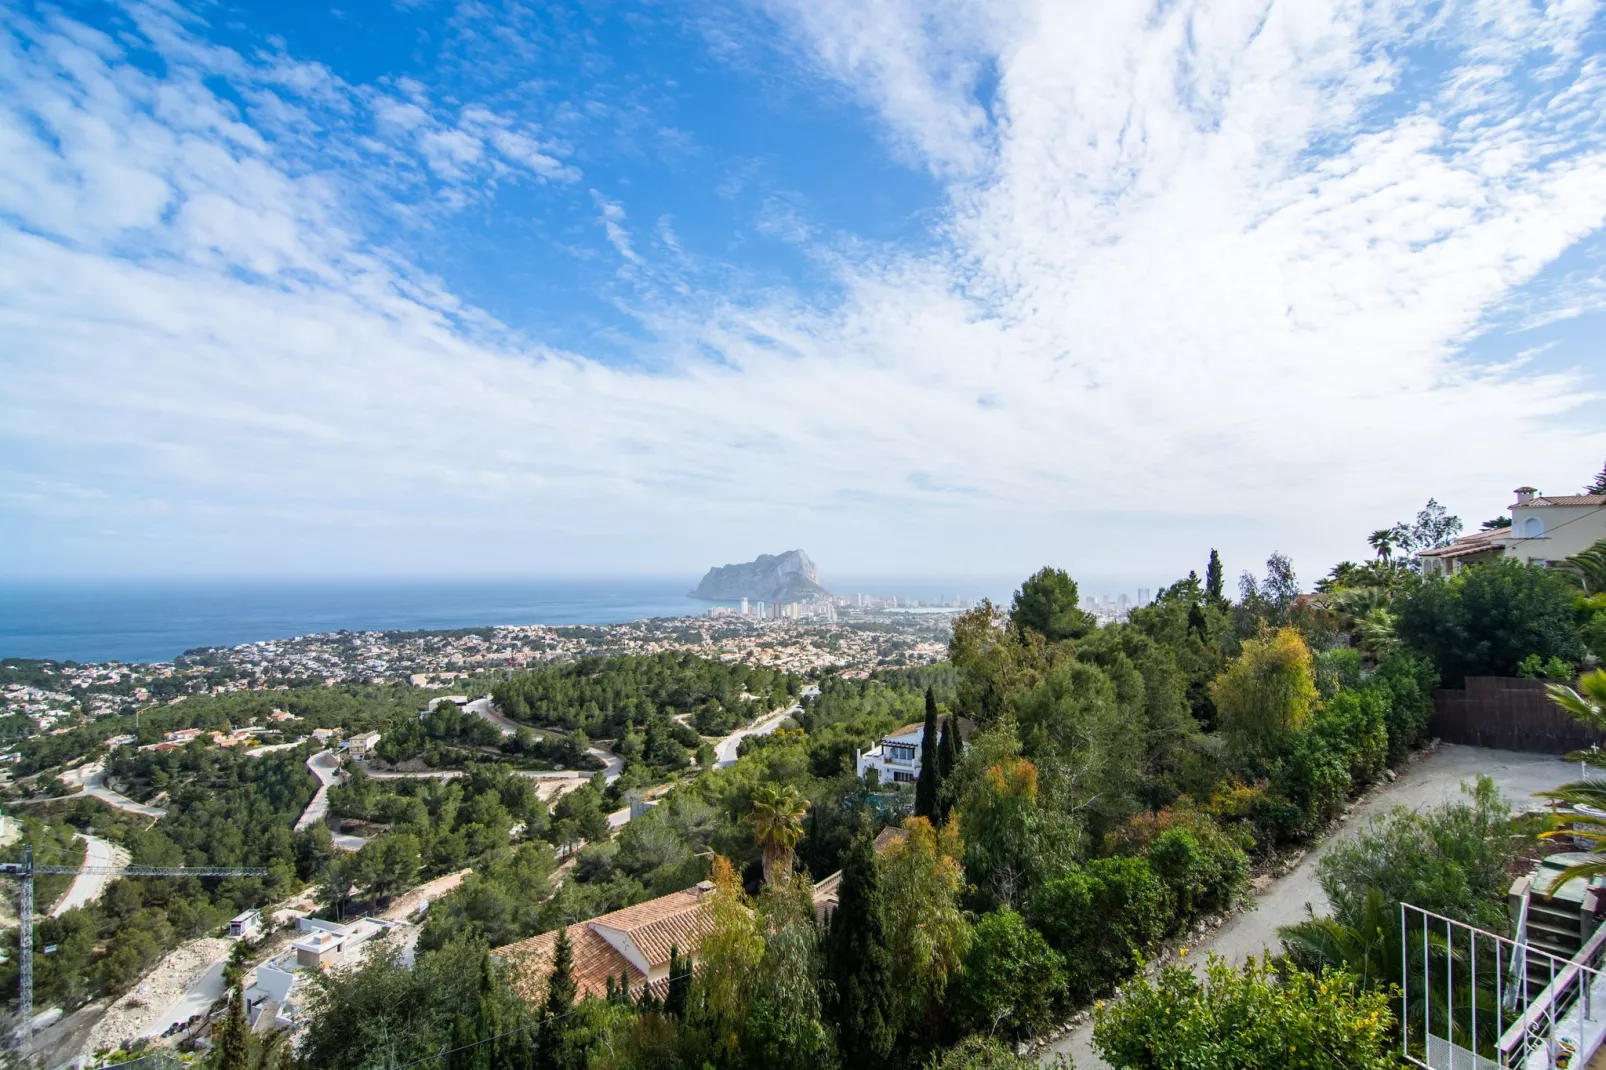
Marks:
<point>896,757</point>
<point>1545,530</point>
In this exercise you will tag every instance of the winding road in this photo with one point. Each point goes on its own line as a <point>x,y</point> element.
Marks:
<point>1435,780</point>
<point>94,784</point>
<point>325,765</point>
<point>87,887</point>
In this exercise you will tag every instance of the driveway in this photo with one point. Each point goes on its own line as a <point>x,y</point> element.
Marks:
<point>87,887</point>
<point>482,707</point>
<point>1435,780</point>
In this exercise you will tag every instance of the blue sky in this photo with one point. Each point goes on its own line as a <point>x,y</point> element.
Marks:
<point>943,288</point>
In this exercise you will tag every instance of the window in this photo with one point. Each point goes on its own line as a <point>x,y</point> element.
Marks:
<point>1533,527</point>
<point>898,752</point>
<point>902,778</point>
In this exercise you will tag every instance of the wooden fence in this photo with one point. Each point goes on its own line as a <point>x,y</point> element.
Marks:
<point>1510,714</point>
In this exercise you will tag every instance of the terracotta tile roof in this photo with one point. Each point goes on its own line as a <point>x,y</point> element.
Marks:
<point>887,837</point>
<point>1568,499</point>
<point>652,927</point>
<point>1467,544</point>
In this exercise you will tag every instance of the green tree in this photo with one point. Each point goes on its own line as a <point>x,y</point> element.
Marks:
<point>928,787</point>
<point>1266,693</point>
<point>1012,982</point>
<point>1485,620</point>
<point>927,934</point>
<point>777,821</point>
<point>1246,1019</point>
<point>389,864</point>
<point>233,1035</point>
<point>1048,603</point>
<point>948,752</point>
<point>1215,580</point>
<point>858,963</point>
<point>1598,484</point>
<point>1382,542</point>
<point>552,1047</point>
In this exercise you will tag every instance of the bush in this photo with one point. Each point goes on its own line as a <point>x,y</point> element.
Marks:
<point>982,1053</point>
<point>1103,919</point>
<point>1313,777</point>
<point>1355,724</point>
<point>1012,981</point>
<point>1201,867</point>
<point>1484,620</point>
<point>1409,681</point>
<point>1450,860</point>
<point>1247,1019</point>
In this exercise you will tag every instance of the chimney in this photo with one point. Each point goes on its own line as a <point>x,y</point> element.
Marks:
<point>1526,494</point>
<point>704,887</point>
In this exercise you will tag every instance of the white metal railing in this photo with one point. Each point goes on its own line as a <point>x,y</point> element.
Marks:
<point>1472,1000</point>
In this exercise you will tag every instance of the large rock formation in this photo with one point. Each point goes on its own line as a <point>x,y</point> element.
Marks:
<point>788,577</point>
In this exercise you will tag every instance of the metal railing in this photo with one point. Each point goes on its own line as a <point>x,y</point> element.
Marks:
<point>1472,1000</point>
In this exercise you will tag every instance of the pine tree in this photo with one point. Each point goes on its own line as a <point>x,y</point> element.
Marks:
<point>1599,485</point>
<point>679,983</point>
<point>233,1035</point>
<point>947,761</point>
<point>858,963</point>
<point>560,991</point>
<point>1214,579</point>
<point>929,783</point>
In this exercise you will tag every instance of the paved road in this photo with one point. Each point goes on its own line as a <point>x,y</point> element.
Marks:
<point>725,750</point>
<point>324,766</point>
<point>483,708</point>
<point>95,785</point>
<point>87,887</point>
<point>204,991</point>
<point>1434,780</point>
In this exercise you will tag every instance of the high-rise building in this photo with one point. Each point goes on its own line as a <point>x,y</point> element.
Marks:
<point>744,607</point>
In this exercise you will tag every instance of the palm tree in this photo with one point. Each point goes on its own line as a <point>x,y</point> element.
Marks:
<point>1382,540</point>
<point>777,820</point>
<point>1588,704</point>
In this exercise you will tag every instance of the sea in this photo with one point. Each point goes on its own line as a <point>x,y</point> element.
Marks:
<point>149,620</point>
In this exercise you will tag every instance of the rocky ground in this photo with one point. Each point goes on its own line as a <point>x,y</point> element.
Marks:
<point>136,1013</point>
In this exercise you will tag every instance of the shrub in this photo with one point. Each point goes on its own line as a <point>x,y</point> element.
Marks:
<point>1355,723</point>
<point>1201,867</point>
<point>1246,1020</point>
<point>982,1053</point>
<point>1012,981</point>
<point>1103,919</point>
<point>1409,681</point>
<point>1313,776</point>
<point>1450,860</point>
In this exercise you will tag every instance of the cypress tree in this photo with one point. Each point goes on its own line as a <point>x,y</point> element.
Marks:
<point>679,983</point>
<point>233,1036</point>
<point>929,783</point>
<point>1214,579</point>
<point>947,762</point>
<point>560,992</point>
<point>858,963</point>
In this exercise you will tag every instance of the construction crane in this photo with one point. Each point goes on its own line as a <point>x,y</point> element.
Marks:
<point>25,871</point>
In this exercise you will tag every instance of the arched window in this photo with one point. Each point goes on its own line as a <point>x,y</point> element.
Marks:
<point>1533,527</point>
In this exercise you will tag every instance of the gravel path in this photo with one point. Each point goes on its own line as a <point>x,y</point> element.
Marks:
<point>1434,780</point>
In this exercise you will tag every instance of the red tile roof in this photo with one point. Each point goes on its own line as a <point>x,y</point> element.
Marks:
<point>1567,499</point>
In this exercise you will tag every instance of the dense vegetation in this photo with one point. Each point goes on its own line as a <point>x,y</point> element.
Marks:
<point>608,697</point>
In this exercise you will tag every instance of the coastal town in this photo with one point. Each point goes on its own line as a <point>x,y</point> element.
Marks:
<point>54,696</point>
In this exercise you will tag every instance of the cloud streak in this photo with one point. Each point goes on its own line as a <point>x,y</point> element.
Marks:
<point>1204,269</point>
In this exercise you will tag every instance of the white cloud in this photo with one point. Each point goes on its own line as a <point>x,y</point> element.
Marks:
<point>1206,269</point>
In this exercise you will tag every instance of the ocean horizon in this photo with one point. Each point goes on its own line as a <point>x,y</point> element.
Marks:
<point>156,620</point>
